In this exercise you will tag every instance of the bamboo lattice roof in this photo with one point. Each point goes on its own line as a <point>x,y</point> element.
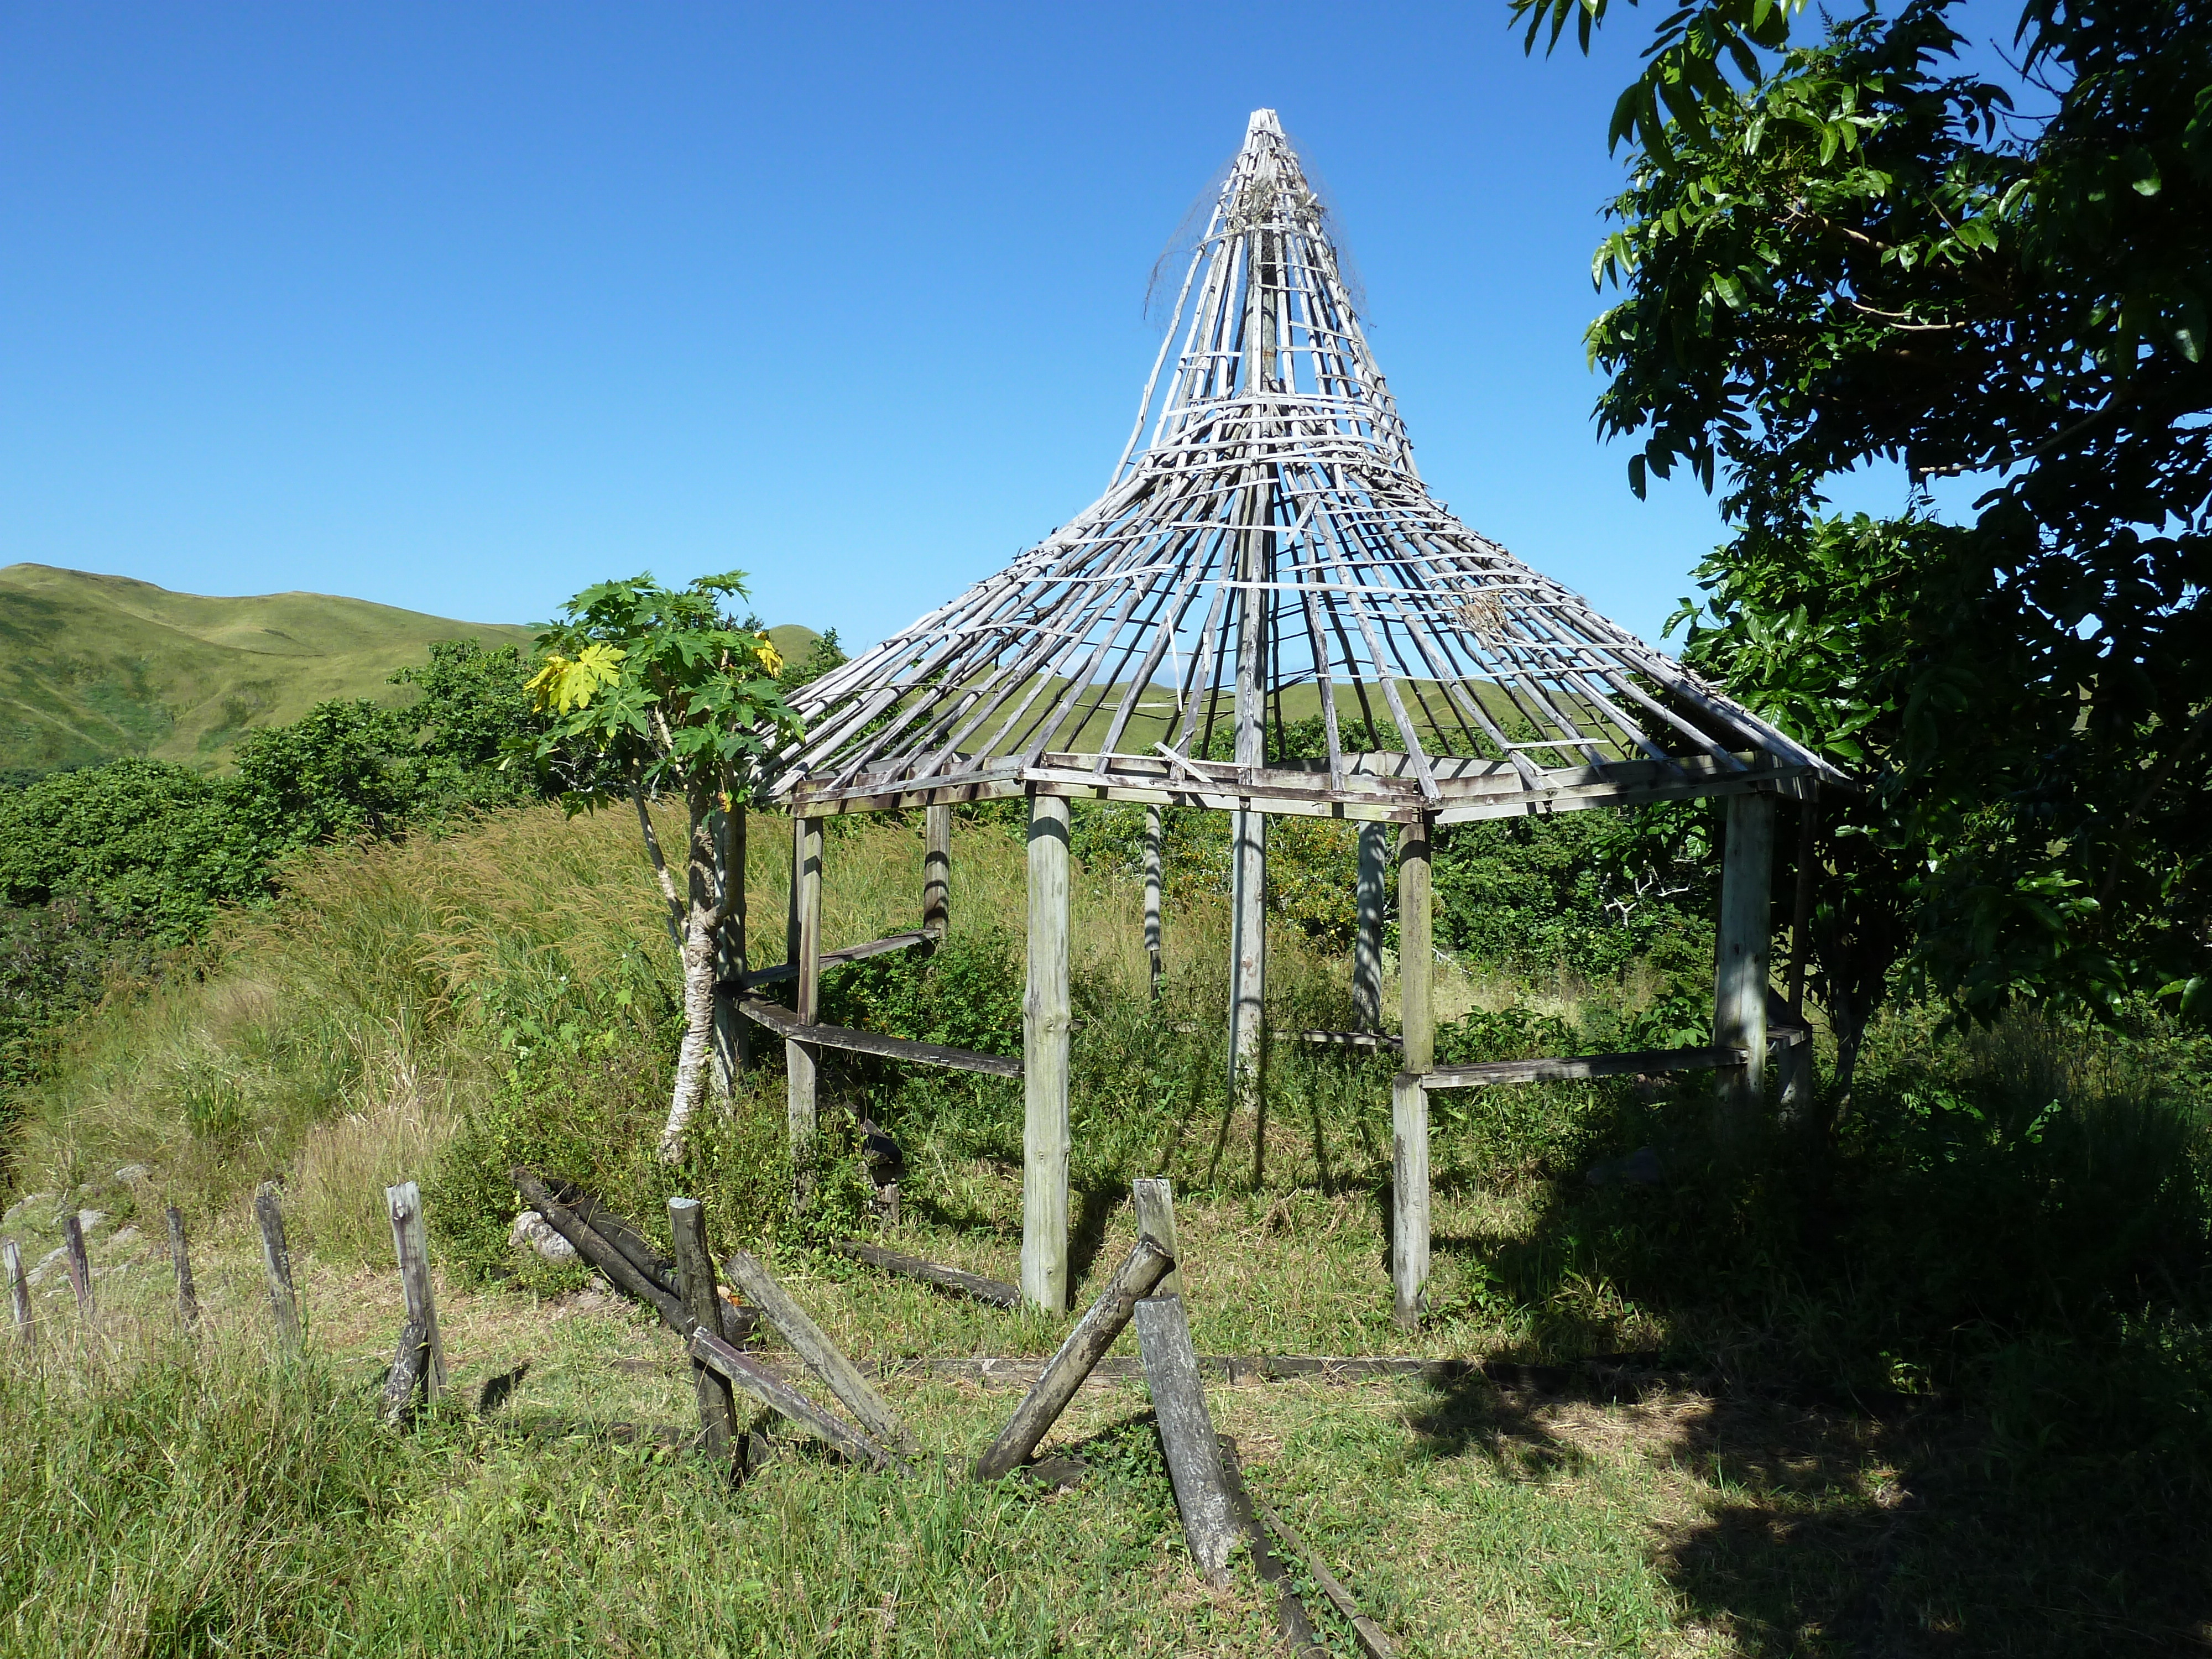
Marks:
<point>1268,575</point>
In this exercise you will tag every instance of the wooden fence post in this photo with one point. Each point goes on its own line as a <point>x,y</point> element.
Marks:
<point>410,1242</point>
<point>936,869</point>
<point>1209,1519</point>
<point>801,1060</point>
<point>188,1301</point>
<point>19,1292</point>
<point>79,1268</point>
<point>694,1280</point>
<point>1045,1023</point>
<point>1739,958</point>
<point>1409,1197</point>
<point>1417,962</point>
<point>1155,1196</point>
<point>1367,941</point>
<point>411,1368</point>
<point>277,1261</point>
<point>1154,850</point>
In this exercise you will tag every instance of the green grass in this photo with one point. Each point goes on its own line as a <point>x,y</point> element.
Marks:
<point>1949,1408</point>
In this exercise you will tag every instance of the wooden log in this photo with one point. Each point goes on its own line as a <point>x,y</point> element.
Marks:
<point>1373,1040</point>
<point>409,1374</point>
<point>820,1356</point>
<point>1209,1520</point>
<point>992,1291</point>
<point>1156,1221</point>
<point>188,1301</point>
<point>80,1266</point>
<point>1291,1619</point>
<point>794,1407</point>
<point>19,1292</point>
<point>1155,838</point>
<point>1417,1010</point>
<point>937,869</point>
<point>277,1263</point>
<point>1371,1636</point>
<point>1140,1272</point>
<point>624,1234</point>
<point>410,1244</point>
<point>1579,1067</point>
<point>1046,1019</point>
<point>875,947</point>
<point>781,1020</point>
<point>694,1269</point>
<point>1409,1197</point>
<point>601,1254</point>
<point>1739,958</point>
<point>802,1059</point>
<point>1367,940</point>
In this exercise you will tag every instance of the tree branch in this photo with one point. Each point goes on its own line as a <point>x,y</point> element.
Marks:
<point>659,864</point>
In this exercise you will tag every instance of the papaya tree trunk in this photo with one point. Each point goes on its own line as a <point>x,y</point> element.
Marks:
<point>702,927</point>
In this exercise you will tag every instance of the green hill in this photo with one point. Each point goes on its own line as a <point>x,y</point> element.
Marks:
<point>98,666</point>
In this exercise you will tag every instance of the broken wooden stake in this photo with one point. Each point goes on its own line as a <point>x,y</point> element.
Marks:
<point>409,1375</point>
<point>1209,1520</point>
<point>1155,1197</point>
<point>822,1356</point>
<point>276,1263</point>
<point>410,1242</point>
<point>998,1294</point>
<point>80,1266</point>
<point>711,1351</point>
<point>1143,1268</point>
<point>694,1269</point>
<point>188,1301</point>
<point>19,1292</point>
<point>620,1271</point>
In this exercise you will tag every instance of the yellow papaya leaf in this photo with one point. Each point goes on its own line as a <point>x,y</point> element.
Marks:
<point>564,684</point>
<point>771,659</point>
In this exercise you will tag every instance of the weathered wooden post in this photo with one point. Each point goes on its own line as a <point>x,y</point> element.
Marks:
<point>1796,1082</point>
<point>937,869</point>
<point>410,1242</point>
<point>1209,1518</point>
<point>1409,1100</point>
<point>730,1037</point>
<point>1155,1197</point>
<point>695,1273</point>
<point>1154,835</point>
<point>815,1349</point>
<point>19,1292</point>
<point>80,1266</point>
<point>1367,942</point>
<point>188,1301</point>
<point>276,1263</point>
<point>1045,1020</point>
<point>1739,958</point>
<point>802,1059</point>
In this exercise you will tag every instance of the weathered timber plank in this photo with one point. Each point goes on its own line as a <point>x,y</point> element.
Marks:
<point>409,1373</point>
<point>822,1356</point>
<point>1291,1619</point>
<point>694,1272</point>
<point>1156,1221</point>
<point>1371,1634</point>
<point>618,1268</point>
<point>410,1243</point>
<point>276,1263</point>
<point>951,1278</point>
<point>1576,1068</point>
<point>713,1352</point>
<point>781,1021</point>
<point>1142,1269</point>
<point>80,1266</point>
<point>874,947</point>
<point>1209,1519</point>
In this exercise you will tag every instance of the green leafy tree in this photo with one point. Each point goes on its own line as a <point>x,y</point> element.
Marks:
<point>647,690</point>
<point>1849,249</point>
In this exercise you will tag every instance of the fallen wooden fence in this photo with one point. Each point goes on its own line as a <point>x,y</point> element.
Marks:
<point>786,1025</point>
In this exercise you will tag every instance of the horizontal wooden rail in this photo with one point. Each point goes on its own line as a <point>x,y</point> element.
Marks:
<point>933,1272</point>
<point>874,947</point>
<point>785,1023</point>
<point>1578,1067</point>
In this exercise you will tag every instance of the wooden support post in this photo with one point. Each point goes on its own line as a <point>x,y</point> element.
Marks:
<point>19,1292</point>
<point>1740,956</point>
<point>1155,1196</point>
<point>695,1277</point>
<point>1417,1010</point>
<point>1209,1519</point>
<point>1139,1272</point>
<point>729,1029</point>
<point>188,1301</point>
<point>409,1374</point>
<point>410,1243</point>
<point>1046,1019</point>
<point>802,1059</point>
<point>1409,1197</point>
<point>80,1266</point>
<point>813,1347</point>
<point>1154,838</point>
<point>937,869</point>
<point>1367,942</point>
<point>1247,947</point>
<point>277,1263</point>
<point>1795,1100</point>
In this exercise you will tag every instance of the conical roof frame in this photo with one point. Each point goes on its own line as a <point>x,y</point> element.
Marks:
<point>1267,576</point>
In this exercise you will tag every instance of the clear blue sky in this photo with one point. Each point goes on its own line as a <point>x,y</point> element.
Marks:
<point>464,308</point>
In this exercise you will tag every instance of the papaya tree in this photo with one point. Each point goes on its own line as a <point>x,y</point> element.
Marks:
<point>657,693</point>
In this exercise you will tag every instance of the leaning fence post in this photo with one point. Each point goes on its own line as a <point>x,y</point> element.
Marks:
<point>80,1266</point>
<point>20,1292</point>
<point>1209,1518</point>
<point>695,1280</point>
<point>1155,1197</point>
<point>409,1373</point>
<point>413,1244</point>
<point>188,1302</point>
<point>276,1260</point>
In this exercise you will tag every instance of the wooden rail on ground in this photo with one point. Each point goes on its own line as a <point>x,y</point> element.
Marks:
<point>874,947</point>
<point>788,1025</point>
<point>1577,1068</point>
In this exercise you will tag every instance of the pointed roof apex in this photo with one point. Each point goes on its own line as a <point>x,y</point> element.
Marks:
<point>1263,121</point>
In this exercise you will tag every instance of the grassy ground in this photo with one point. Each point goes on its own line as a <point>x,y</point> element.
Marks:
<point>1752,1491</point>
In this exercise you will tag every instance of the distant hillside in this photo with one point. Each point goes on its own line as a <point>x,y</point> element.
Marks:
<point>98,666</point>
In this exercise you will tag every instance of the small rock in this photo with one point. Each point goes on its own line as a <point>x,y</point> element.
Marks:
<point>21,1208</point>
<point>128,1236</point>
<point>533,1232</point>
<point>91,1219</point>
<point>47,1263</point>
<point>1639,1169</point>
<point>132,1172</point>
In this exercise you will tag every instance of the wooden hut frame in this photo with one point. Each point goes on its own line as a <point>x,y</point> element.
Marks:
<point>1269,553</point>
